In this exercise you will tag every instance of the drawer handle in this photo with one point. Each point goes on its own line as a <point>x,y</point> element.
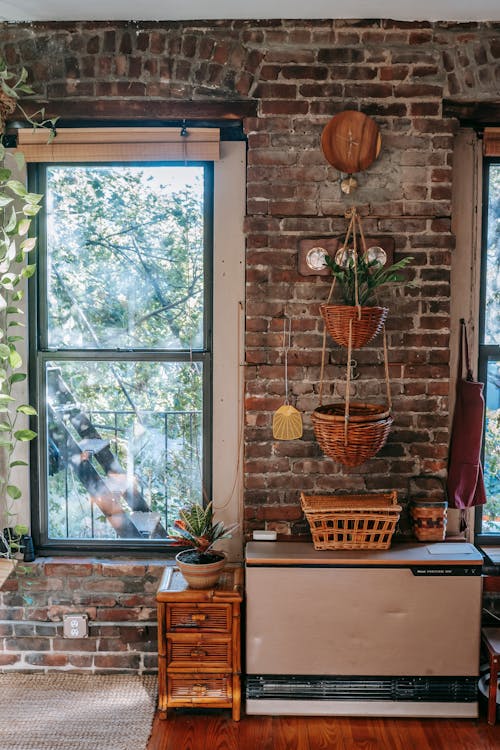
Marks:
<point>198,652</point>
<point>199,689</point>
<point>198,617</point>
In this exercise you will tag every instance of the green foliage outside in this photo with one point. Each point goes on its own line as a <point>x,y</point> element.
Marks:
<point>491,511</point>
<point>125,271</point>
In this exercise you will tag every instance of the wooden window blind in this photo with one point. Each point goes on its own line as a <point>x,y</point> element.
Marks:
<point>491,142</point>
<point>120,144</point>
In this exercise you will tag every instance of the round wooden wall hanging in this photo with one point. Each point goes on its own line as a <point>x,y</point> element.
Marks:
<point>351,141</point>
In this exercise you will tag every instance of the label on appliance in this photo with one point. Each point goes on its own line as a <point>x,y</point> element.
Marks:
<point>446,570</point>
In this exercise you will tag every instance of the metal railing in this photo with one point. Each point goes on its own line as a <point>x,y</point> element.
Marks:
<point>158,452</point>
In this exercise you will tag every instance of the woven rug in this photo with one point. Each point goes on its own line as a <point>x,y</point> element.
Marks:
<point>61,711</point>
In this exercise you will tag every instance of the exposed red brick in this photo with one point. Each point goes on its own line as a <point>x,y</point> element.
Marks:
<point>117,661</point>
<point>300,74</point>
<point>74,568</point>
<point>8,659</point>
<point>47,660</point>
<point>119,570</point>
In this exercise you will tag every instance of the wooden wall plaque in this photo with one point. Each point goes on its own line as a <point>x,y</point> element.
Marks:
<point>351,141</point>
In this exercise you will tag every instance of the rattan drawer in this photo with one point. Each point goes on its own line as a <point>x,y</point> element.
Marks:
<point>197,689</point>
<point>210,617</point>
<point>209,652</point>
<point>199,660</point>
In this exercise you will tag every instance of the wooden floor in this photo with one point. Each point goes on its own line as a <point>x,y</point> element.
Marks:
<point>216,731</point>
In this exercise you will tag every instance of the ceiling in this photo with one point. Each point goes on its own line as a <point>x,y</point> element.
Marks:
<point>175,10</point>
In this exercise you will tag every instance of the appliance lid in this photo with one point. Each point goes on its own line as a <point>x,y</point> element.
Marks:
<point>303,554</point>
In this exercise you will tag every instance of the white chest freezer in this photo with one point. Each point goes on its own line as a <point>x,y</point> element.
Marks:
<point>374,633</point>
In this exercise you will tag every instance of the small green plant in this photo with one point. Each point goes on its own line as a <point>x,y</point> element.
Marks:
<point>371,274</point>
<point>195,528</point>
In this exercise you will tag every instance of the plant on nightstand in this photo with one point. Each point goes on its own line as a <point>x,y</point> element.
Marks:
<point>200,564</point>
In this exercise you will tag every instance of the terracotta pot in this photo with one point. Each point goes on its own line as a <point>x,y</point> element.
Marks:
<point>201,576</point>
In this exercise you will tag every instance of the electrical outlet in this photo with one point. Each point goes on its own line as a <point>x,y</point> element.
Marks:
<point>76,626</point>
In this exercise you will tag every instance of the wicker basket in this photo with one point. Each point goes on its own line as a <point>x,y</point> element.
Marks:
<point>367,430</point>
<point>429,518</point>
<point>364,328</point>
<point>351,521</point>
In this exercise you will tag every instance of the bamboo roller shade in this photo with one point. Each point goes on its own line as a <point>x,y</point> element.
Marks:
<point>120,144</point>
<point>491,142</point>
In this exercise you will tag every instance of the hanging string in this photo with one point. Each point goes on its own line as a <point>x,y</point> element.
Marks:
<point>241,423</point>
<point>386,368</point>
<point>322,371</point>
<point>355,261</point>
<point>287,334</point>
<point>353,219</point>
<point>184,135</point>
<point>241,384</point>
<point>348,384</point>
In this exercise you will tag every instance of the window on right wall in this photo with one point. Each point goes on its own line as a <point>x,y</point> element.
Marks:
<point>489,344</point>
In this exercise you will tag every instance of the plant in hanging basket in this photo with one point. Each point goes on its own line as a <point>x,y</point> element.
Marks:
<point>359,274</point>
<point>200,564</point>
<point>371,274</point>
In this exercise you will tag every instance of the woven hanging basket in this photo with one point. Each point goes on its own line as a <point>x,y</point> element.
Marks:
<point>366,323</point>
<point>368,427</point>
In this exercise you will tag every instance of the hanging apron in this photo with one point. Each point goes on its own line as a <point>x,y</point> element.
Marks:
<point>465,484</point>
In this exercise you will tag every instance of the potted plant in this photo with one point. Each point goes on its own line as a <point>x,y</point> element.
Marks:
<point>200,564</point>
<point>359,273</point>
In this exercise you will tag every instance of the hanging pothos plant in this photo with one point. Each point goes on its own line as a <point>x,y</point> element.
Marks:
<point>17,208</point>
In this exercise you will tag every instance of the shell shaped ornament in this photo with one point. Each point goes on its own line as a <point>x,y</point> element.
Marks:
<point>287,423</point>
<point>376,253</point>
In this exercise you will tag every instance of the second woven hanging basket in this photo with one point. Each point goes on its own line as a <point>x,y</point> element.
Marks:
<point>356,441</point>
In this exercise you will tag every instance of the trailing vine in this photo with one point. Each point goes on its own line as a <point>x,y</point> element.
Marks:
<point>18,207</point>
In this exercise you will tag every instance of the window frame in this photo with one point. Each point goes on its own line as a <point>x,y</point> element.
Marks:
<point>37,319</point>
<point>486,352</point>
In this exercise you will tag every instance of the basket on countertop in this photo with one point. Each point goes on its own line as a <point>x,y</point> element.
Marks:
<point>429,518</point>
<point>351,521</point>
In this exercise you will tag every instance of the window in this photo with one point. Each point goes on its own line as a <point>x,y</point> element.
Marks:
<point>489,344</point>
<point>121,360</point>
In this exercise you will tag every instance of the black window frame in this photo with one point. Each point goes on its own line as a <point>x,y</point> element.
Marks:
<point>486,352</point>
<point>37,315</point>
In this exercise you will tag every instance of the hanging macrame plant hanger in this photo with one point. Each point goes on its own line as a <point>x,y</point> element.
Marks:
<point>362,323</point>
<point>353,432</point>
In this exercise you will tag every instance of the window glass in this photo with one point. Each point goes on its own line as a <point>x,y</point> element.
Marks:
<point>123,444</point>
<point>123,364</point>
<point>489,349</point>
<point>492,260</point>
<point>491,511</point>
<point>125,257</point>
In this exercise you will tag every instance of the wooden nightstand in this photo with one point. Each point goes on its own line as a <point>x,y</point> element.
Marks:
<point>199,660</point>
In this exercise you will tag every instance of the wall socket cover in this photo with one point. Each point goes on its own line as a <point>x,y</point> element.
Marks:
<point>75,626</point>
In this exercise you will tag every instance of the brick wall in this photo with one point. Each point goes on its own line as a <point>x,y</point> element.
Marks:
<point>298,75</point>
<point>117,596</point>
